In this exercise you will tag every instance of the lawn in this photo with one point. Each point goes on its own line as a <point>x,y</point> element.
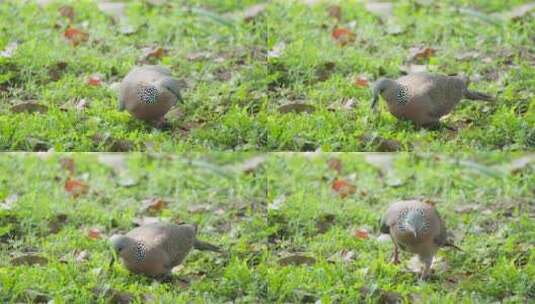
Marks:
<point>489,211</point>
<point>68,226</point>
<point>242,72</point>
<point>288,236</point>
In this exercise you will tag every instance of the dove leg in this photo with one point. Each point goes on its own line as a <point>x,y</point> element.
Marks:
<point>427,261</point>
<point>395,255</point>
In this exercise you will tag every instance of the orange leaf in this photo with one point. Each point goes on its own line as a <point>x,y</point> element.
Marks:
<point>343,36</point>
<point>94,80</point>
<point>75,187</point>
<point>157,52</point>
<point>421,53</point>
<point>153,205</point>
<point>361,234</point>
<point>94,234</point>
<point>343,187</point>
<point>361,81</point>
<point>75,36</point>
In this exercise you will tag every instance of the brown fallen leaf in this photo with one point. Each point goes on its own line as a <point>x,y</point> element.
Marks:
<point>67,163</point>
<point>519,164</point>
<point>296,107</point>
<point>113,295</point>
<point>29,259</point>
<point>343,36</point>
<point>153,205</point>
<point>75,36</point>
<point>346,256</point>
<point>335,164</point>
<point>360,81</point>
<point>420,53</point>
<point>335,11</point>
<point>361,234</point>
<point>383,10</point>
<point>94,80</point>
<point>30,106</point>
<point>152,53</point>
<point>67,11</point>
<point>254,11</point>
<point>324,222</point>
<point>75,187</point>
<point>277,50</point>
<point>57,223</point>
<point>381,144</point>
<point>94,233</point>
<point>296,259</point>
<point>325,70</point>
<point>56,70</point>
<point>343,187</point>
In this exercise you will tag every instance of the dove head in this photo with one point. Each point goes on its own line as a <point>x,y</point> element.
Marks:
<point>378,88</point>
<point>148,93</point>
<point>120,242</point>
<point>415,222</point>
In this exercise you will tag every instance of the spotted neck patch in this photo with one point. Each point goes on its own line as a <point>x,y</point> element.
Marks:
<point>140,251</point>
<point>147,94</point>
<point>422,225</point>
<point>402,95</point>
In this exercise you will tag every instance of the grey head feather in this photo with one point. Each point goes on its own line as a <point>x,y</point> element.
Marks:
<point>413,220</point>
<point>378,87</point>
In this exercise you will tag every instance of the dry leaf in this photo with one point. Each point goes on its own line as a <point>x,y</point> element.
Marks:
<point>343,36</point>
<point>343,187</point>
<point>30,106</point>
<point>335,11</point>
<point>94,80</point>
<point>361,81</point>
<point>153,205</point>
<point>384,238</point>
<point>520,11</point>
<point>335,164</point>
<point>361,234</point>
<point>75,36</point>
<point>324,222</point>
<point>29,259</point>
<point>420,53</point>
<point>253,11</point>
<point>94,233</point>
<point>277,203</point>
<point>75,187</point>
<point>67,163</point>
<point>381,144</point>
<point>346,256</point>
<point>199,208</point>
<point>297,107</point>
<point>113,295</point>
<point>153,53</point>
<point>296,259</point>
<point>55,225</point>
<point>67,11</point>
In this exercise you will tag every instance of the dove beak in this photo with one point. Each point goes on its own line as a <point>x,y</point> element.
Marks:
<point>374,101</point>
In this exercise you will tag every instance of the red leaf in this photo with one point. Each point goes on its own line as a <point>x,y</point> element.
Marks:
<point>361,234</point>
<point>343,36</point>
<point>94,80</point>
<point>94,234</point>
<point>343,187</point>
<point>153,205</point>
<point>75,187</point>
<point>75,36</point>
<point>361,81</point>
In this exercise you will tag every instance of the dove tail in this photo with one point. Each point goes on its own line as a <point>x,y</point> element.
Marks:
<point>201,245</point>
<point>474,95</point>
<point>452,246</point>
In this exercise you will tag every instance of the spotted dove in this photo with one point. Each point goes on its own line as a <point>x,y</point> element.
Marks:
<point>148,92</point>
<point>424,98</point>
<point>416,227</point>
<point>154,249</point>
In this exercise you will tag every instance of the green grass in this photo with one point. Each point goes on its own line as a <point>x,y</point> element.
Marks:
<point>246,214</point>
<point>223,96</point>
<point>235,220</point>
<point>495,266</point>
<point>232,95</point>
<point>299,74</point>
